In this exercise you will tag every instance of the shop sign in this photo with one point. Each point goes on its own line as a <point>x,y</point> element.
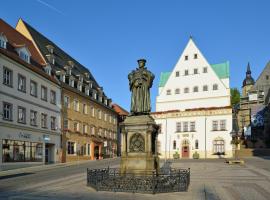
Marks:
<point>24,135</point>
<point>46,137</point>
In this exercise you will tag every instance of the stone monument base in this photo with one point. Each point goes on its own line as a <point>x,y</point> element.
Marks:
<point>139,155</point>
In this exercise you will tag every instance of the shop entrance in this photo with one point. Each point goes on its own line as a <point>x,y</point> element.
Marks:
<point>96,152</point>
<point>49,153</point>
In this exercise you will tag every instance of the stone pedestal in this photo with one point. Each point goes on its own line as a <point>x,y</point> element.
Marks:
<point>139,154</point>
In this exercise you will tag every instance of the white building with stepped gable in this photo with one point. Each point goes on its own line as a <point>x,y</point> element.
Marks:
<point>193,108</point>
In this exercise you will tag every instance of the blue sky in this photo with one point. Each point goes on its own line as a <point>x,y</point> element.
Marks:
<point>108,36</point>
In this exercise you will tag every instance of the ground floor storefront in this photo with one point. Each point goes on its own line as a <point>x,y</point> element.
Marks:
<point>20,146</point>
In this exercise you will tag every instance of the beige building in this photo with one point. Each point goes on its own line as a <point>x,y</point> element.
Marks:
<point>88,120</point>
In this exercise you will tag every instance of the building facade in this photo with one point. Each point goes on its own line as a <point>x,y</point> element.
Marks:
<point>193,108</point>
<point>30,104</point>
<point>88,120</point>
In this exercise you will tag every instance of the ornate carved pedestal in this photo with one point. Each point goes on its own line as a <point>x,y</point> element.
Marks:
<point>139,136</point>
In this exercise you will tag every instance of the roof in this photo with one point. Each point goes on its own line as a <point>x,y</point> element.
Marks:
<point>164,76</point>
<point>119,109</point>
<point>16,39</point>
<point>61,57</point>
<point>222,70</point>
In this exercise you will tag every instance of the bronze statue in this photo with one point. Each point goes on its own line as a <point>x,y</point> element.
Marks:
<point>140,82</point>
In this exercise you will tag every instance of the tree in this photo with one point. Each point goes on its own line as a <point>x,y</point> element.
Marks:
<point>235,96</point>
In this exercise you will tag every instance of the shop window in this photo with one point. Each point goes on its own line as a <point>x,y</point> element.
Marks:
<point>71,148</point>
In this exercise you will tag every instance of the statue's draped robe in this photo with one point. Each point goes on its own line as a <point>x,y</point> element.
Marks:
<point>140,82</point>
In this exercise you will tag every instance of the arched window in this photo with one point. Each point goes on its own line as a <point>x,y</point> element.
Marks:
<point>177,91</point>
<point>205,88</point>
<point>196,144</point>
<point>174,144</point>
<point>168,92</point>
<point>219,147</point>
<point>186,90</point>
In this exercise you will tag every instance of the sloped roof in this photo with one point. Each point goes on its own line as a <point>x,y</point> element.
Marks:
<point>61,57</point>
<point>16,39</point>
<point>119,110</point>
<point>222,70</point>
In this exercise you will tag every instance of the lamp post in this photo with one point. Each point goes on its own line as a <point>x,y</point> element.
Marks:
<point>235,132</point>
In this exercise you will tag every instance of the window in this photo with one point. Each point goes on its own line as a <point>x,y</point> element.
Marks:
<point>205,88</point>
<point>195,56</point>
<point>84,128</point>
<point>66,101</point>
<point>177,91</point>
<point>76,126</point>
<point>21,83</point>
<point>267,77</point>
<point>43,93</point>
<point>185,126</point>
<point>174,144</point>
<point>76,105</point>
<point>7,77</point>
<point>93,130</point>
<point>71,82</point>
<point>186,90</point>
<point>195,71</point>
<point>215,87</point>
<point>168,92</point>
<point>53,123</point>
<point>93,111</point>
<point>177,74</point>
<point>215,125</point>
<point>99,114</point>
<point>105,117</point>
<point>84,108</point>
<point>195,89</point>
<point>33,118</point>
<point>33,88</point>
<point>53,97</point>
<point>65,124</point>
<point>223,125</point>
<point>71,148</point>
<point>196,144</point>
<point>205,70</point>
<point>219,147</point>
<point>186,72</point>
<point>22,151</point>
<point>43,120</point>
<point>24,56</point>
<point>3,41</point>
<point>110,119</point>
<point>178,126</point>
<point>88,149</point>
<point>21,115</point>
<point>186,57</point>
<point>114,120</point>
<point>7,111</point>
<point>192,126</point>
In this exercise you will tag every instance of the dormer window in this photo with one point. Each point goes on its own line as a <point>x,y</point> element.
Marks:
<point>50,48</point>
<point>48,69</point>
<point>51,59</point>
<point>79,86</point>
<point>86,75</point>
<point>24,53</point>
<point>3,41</point>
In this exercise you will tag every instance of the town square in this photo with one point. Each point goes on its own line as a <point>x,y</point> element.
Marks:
<point>134,100</point>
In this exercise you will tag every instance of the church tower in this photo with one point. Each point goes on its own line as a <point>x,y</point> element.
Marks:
<point>248,82</point>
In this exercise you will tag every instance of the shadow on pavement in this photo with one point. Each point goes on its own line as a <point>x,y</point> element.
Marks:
<point>14,175</point>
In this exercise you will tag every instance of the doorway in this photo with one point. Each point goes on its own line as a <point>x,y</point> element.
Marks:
<point>96,152</point>
<point>185,149</point>
<point>49,153</point>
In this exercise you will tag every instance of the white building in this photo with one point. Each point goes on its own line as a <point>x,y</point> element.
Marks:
<point>30,104</point>
<point>193,108</point>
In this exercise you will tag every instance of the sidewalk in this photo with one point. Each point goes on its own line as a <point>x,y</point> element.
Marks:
<point>44,167</point>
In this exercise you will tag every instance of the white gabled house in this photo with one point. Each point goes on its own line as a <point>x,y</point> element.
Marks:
<point>193,107</point>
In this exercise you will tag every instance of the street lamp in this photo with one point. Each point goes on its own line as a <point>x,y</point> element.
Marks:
<point>235,133</point>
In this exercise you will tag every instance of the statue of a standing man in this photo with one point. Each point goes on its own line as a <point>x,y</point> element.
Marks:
<point>140,82</point>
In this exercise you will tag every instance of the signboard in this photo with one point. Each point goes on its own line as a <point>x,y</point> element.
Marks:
<point>253,97</point>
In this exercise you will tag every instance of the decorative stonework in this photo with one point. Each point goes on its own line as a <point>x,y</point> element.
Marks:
<point>137,143</point>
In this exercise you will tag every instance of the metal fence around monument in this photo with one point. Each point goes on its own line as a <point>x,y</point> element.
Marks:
<point>110,179</point>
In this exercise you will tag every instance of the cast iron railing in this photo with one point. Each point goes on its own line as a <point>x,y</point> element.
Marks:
<point>110,179</point>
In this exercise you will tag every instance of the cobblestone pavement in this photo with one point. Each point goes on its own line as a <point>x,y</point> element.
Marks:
<point>210,179</point>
